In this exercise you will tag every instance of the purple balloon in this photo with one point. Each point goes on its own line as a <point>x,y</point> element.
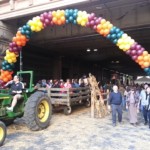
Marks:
<point>50,16</point>
<point>133,52</point>
<point>128,52</point>
<point>142,49</point>
<point>138,47</point>
<point>92,15</point>
<point>45,14</point>
<point>88,24</point>
<point>92,23</point>
<point>133,46</point>
<point>134,57</point>
<point>90,18</point>
<point>95,27</point>
<point>47,21</point>
<point>98,20</point>
<point>42,19</point>
<point>139,52</point>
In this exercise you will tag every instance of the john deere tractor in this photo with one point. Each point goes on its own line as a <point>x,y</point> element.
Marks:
<point>35,106</point>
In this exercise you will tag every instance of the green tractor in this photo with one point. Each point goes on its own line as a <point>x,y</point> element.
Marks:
<point>35,106</point>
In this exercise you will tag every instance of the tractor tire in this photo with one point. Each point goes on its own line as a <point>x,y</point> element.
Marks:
<point>3,133</point>
<point>67,110</point>
<point>38,111</point>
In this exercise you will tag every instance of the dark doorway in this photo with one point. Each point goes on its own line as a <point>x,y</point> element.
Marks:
<point>65,73</point>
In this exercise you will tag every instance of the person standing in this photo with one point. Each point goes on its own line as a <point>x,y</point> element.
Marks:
<point>115,100</point>
<point>122,90</point>
<point>132,102</point>
<point>144,103</point>
<point>148,99</point>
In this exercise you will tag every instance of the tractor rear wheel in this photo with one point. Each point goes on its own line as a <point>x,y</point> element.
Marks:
<point>38,111</point>
<point>2,133</point>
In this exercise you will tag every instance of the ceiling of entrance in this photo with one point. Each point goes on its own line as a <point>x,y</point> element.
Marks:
<point>73,41</point>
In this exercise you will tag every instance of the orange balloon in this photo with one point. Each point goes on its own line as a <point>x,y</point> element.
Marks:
<point>99,27</point>
<point>146,58</point>
<point>54,20</point>
<point>103,21</point>
<point>6,73</point>
<point>146,64</point>
<point>18,43</point>
<point>59,22</point>
<point>9,76</point>
<point>141,62</point>
<point>23,38</point>
<point>18,33</point>
<point>140,58</point>
<point>62,19</point>
<point>14,39</point>
<point>106,31</point>
<point>54,13</point>
<point>145,53</point>
<point>5,79</point>
<point>110,26</point>
<point>101,32</point>
<point>104,26</point>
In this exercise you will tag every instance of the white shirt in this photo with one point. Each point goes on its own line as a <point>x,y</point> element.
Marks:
<point>143,99</point>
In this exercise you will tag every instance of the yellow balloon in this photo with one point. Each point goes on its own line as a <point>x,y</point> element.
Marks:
<point>124,36</point>
<point>121,47</point>
<point>33,28</point>
<point>83,23</point>
<point>5,58</point>
<point>126,47</point>
<point>40,24</point>
<point>14,60</point>
<point>10,60</point>
<point>120,41</point>
<point>8,56</point>
<point>79,20</point>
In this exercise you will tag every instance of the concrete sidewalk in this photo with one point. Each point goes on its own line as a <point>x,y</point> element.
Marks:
<point>79,132</point>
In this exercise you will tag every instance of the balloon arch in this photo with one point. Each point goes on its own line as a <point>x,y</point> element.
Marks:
<point>74,16</point>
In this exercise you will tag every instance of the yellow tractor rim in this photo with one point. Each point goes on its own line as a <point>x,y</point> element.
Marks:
<point>43,111</point>
<point>1,133</point>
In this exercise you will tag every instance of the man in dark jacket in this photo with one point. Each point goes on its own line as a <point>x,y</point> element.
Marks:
<point>115,100</point>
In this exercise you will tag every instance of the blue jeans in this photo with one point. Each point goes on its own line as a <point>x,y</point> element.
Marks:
<point>124,103</point>
<point>149,117</point>
<point>145,114</point>
<point>116,109</point>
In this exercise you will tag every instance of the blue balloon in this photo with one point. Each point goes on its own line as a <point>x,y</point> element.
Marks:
<point>108,36</point>
<point>75,15</point>
<point>76,11</point>
<point>113,36</point>
<point>117,30</point>
<point>71,12</point>
<point>146,69</point>
<point>70,19</point>
<point>74,22</point>
<point>113,30</point>
<point>115,41</point>
<point>67,21</point>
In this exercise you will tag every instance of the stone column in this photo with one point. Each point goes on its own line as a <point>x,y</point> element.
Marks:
<point>6,34</point>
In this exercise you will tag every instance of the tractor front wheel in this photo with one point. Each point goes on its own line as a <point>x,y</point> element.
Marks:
<point>2,133</point>
<point>38,111</point>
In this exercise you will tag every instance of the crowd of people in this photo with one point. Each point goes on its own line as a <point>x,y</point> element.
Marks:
<point>132,98</point>
<point>74,83</point>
